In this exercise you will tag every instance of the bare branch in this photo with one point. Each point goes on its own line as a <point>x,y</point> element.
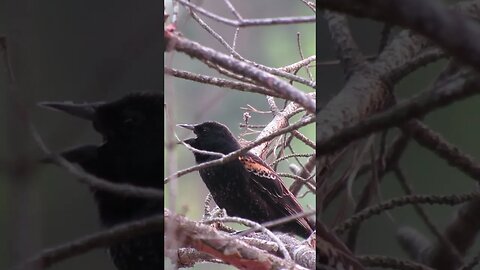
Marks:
<point>402,201</point>
<point>250,22</point>
<point>106,238</point>
<point>203,53</point>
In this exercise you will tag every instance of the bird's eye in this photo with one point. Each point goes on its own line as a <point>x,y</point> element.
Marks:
<point>201,129</point>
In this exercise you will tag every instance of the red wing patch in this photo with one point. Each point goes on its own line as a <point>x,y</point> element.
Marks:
<point>253,166</point>
<point>269,183</point>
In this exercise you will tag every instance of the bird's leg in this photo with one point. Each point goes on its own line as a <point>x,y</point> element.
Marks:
<point>207,212</point>
<point>216,212</point>
<point>311,241</point>
<point>220,213</point>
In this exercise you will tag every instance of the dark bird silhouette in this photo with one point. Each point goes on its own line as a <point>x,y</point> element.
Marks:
<point>247,187</point>
<point>132,152</point>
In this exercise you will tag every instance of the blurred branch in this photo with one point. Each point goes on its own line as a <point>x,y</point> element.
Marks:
<point>461,232</point>
<point>367,90</point>
<point>93,181</point>
<point>442,241</point>
<point>51,256</point>
<point>402,201</point>
<point>417,106</point>
<point>474,262</point>
<point>394,263</point>
<point>347,50</point>
<point>424,17</point>
<point>445,150</point>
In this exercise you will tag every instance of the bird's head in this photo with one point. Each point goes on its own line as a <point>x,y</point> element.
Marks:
<point>212,136</point>
<point>130,118</point>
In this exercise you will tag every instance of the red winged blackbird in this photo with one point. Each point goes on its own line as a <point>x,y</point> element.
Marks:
<point>246,187</point>
<point>249,188</point>
<point>132,152</point>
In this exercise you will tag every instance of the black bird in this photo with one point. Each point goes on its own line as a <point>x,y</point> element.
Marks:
<point>247,187</point>
<point>132,152</point>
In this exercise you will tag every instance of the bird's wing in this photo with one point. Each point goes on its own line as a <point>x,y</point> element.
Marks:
<point>330,249</point>
<point>269,182</point>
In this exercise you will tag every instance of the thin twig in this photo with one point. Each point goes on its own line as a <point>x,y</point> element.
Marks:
<point>250,22</point>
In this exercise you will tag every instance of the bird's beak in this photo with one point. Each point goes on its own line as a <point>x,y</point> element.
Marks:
<point>190,141</point>
<point>187,126</point>
<point>84,111</point>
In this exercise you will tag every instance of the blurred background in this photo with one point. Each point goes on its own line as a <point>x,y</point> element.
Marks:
<point>191,102</point>
<point>64,51</point>
<point>427,173</point>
